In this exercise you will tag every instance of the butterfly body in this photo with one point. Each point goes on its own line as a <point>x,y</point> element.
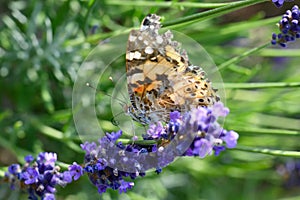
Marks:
<point>160,77</point>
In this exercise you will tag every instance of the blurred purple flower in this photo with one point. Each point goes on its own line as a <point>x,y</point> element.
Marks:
<point>289,27</point>
<point>290,173</point>
<point>14,169</point>
<point>279,3</point>
<point>49,196</point>
<point>29,158</point>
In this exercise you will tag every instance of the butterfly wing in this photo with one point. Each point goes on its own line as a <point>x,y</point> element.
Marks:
<point>159,76</point>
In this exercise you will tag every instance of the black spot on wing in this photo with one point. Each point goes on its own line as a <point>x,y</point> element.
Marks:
<point>133,85</point>
<point>146,22</point>
<point>134,71</point>
<point>148,80</point>
<point>162,77</point>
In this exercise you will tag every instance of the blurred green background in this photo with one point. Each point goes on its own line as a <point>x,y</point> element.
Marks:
<point>43,43</point>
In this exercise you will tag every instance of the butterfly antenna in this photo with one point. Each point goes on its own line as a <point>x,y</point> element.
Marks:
<point>89,85</point>
<point>122,94</point>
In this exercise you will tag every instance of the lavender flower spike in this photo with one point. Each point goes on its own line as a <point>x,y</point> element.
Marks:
<point>40,176</point>
<point>289,27</point>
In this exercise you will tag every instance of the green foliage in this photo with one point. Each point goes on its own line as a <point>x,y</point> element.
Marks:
<point>43,43</point>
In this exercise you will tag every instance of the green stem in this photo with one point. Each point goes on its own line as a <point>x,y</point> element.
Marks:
<point>225,8</point>
<point>280,52</point>
<point>140,142</point>
<point>260,85</point>
<point>266,131</point>
<point>242,56</point>
<point>165,4</point>
<point>212,13</point>
<point>87,15</point>
<point>55,134</point>
<point>273,152</point>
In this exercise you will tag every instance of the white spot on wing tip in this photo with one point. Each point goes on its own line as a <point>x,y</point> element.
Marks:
<point>129,56</point>
<point>132,38</point>
<point>137,55</point>
<point>148,50</point>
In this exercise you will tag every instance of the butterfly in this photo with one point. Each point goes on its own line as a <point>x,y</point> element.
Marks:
<point>160,78</point>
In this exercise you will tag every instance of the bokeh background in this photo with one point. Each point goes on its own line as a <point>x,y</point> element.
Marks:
<point>43,43</point>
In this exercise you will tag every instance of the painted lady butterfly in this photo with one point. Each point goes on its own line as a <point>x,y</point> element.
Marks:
<point>160,77</point>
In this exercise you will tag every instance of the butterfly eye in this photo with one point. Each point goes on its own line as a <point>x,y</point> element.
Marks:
<point>201,100</point>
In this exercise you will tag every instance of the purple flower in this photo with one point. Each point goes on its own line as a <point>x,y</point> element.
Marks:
<point>279,3</point>
<point>67,177</point>
<point>218,149</point>
<point>125,186</point>
<point>219,110</point>
<point>29,158</point>
<point>12,175</point>
<point>209,134</point>
<point>30,176</point>
<point>88,147</point>
<point>41,176</point>
<point>99,166</point>
<point>14,169</point>
<point>49,196</point>
<point>76,171</point>
<point>110,163</point>
<point>205,148</point>
<point>230,138</point>
<point>101,188</point>
<point>114,135</point>
<point>289,27</point>
<point>174,116</point>
<point>202,147</point>
<point>47,159</point>
<point>155,131</point>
